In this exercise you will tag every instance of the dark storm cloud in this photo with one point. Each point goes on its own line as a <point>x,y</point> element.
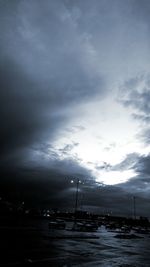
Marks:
<point>118,199</point>
<point>139,184</point>
<point>135,94</point>
<point>128,163</point>
<point>48,183</point>
<point>43,79</point>
<point>143,165</point>
<point>43,76</point>
<point>114,200</point>
<point>145,136</point>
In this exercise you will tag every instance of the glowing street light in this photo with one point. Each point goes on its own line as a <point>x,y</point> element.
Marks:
<point>77,193</point>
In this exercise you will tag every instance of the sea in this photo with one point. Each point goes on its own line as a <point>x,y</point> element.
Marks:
<point>30,242</point>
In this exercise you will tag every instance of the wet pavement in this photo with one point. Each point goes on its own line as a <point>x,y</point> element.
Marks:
<point>32,243</point>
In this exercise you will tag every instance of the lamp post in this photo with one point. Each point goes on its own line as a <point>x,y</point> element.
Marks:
<point>134,208</point>
<point>77,193</point>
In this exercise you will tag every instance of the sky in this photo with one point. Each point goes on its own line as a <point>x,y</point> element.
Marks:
<point>75,103</point>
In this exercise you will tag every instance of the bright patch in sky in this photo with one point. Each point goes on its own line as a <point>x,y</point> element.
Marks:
<point>114,177</point>
<point>102,133</point>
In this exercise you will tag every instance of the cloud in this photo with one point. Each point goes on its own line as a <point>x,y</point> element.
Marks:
<point>143,165</point>
<point>103,166</point>
<point>128,163</point>
<point>135,92</point>
<point>43,75</point>
<point>68,148</point>
<point>140,184</point>
<point>56,56</point>
<point>135,95</point>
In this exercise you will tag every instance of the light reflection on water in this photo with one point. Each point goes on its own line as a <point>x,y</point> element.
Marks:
<point>44,247</point>
<point>105,251</point>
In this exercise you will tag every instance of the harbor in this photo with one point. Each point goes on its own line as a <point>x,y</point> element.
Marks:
<point>33,243</point>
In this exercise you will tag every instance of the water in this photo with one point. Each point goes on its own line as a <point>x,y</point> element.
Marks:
<point>32,243</point>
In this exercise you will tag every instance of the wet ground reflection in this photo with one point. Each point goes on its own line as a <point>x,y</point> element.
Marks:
<point>33,243</point>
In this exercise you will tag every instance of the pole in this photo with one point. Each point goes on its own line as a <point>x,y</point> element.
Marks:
<point>76,201</point>
<point>76,205</point>
<point>134,208</point>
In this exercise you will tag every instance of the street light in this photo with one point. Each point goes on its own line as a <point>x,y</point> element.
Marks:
<point>77,193</point>
<point>76,200</point>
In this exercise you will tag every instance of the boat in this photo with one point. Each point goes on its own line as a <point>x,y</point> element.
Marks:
<point>57,224</point>
<point>85,226</point>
